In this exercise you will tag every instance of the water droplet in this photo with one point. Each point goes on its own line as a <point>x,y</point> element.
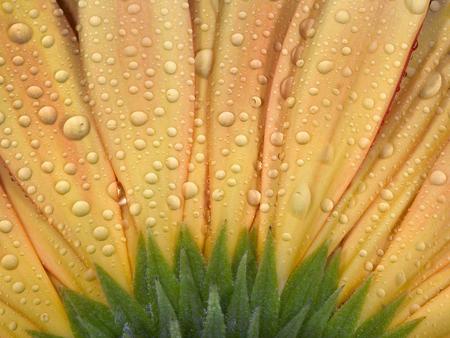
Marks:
<point>20,33</point>
<point>342,16</point>
<point>416,6</point>
<point>34,92</point>
<point>302,137</point>
<point>325,66</point>
<point>5,226</point>
<point>81,208</point>
<point>277,139</point>
<point>173,202</point>
<point>432,86</point>
<point>326,205</point>
<point>9,262</point>
<point>47,114</point>
<point>237,39</point>
<point>190,190</point>
<point>61,76</point>
<point>301,199</point>
<point>203,62</point>
<point>100,233</point>
<point>24,173</point>
<point>438,177</point>
<point>62,187</point>
<point>226,118</point>
<point>138,118</point>
<point>241,140</point>
<point>170,67</point>
<point>253,197</point>
<point>76,127</point>
<point>172,95</point>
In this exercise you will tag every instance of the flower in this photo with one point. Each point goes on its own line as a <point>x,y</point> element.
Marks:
<point>224,168</point>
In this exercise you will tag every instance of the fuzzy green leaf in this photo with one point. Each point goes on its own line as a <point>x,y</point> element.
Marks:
<point>238,314</point>
<point>87,317</point>
<point>126,310</point>
<point>143,288</point>
<point>247,246</point>
<point>166,312</point>
<point>316,324</point>
<point>194,258</point>
<point>376,325</point>
<point>303,285</point>
<point>292,328</point>
<point>403,330</point>
<point>190,303</point>
<point>219,269</point>
<point>159,269</point>
<point>330,281</point>
<point>343,323</point>
<point>253,326</point>
<point>214,326</point>
<point>265,291</point>
<point>174,330</point>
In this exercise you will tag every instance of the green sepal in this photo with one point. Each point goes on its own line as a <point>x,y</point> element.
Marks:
<point>330,281</point>
<point>265,291</point>
<point>344,321</point>
<point>246,246</point>
<point>214,326</point>
<point>303,284</point>
<point>126,310</point>
<point>143,286</point>
<point>159,269</point>
<point>166,312</point>
<point>238,314</point>
<point>190,303</point>
<point>253,326</point>
<point>403,330</point>
<point>194,258</point>
<point>35,334</point>
<point>376,325</point>
<point>174,330</point>
<point>292,328</point>
<point>317,322</point>
<point>219,270</point>
<point>88,318</point>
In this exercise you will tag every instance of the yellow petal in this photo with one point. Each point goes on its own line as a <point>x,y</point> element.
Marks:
<point>336,114</point>
<point>140,68</point>
<point>56,254</point>
<point>422,234</point>
<point>25,287</point>
<point>247,46</point>
<point>50,143</point>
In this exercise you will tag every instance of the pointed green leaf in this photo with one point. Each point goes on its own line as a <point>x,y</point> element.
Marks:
<point>330,281</point>
<point>238,314</point>
<point>87,317</point>
<point>343,323</point>
<point>158,268</point>
<point>246,246</point>
<point>165,310</point>
<point>303,285</point>
<point>174,329</point>
<point>126,310</point>
<point>190,304</point>
<point>35,334</point>
<point>194,258</point>
<point>219,269</point>
<point>265,291</point>
<point>316,324</point>
<point>376,325</point>
<point>292,328</point>
<point>253,326</point>
<point>214,323</point>
<point>143,289</point>
<point>403,330</point>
